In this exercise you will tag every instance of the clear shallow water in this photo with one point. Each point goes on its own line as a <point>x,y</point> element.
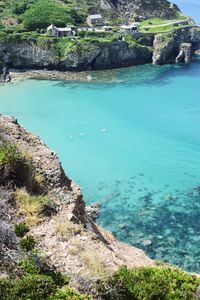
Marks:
<point>131,139</point>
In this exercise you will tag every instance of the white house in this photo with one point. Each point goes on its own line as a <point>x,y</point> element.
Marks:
<point>95,20</point>
<point>54,31</point>
<point>130,28</point>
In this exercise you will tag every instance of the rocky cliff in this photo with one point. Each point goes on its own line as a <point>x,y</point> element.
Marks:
<point>176,47</point>
<point>156,48</point>
<point>28,54</point>
<point>145,8</point>
<point>31,175</point>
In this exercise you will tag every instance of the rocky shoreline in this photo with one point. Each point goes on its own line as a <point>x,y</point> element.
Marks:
<point>18,75</point>
<point>73,243</point>
<point>176,46</point>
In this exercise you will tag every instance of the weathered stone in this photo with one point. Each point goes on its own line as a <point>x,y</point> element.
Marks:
<point>147,243</point>
<point>185,53</point>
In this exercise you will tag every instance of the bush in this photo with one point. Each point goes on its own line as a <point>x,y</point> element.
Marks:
<point>32,287</point>
<point>29,266</point>
<point>36,264</point>
<point>149,283</point>
<point>42,13</point>
<point>69,294</point>
<point>32,206</point>
<point>21,229</point>
<point>8,155</point>
<point>28,243</point>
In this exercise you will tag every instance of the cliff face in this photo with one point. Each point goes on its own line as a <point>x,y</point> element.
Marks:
<point>63,230</point>
<point>25,54</point>
<point>177,47</point>
<point>146,8</point>
<point>156,48</point>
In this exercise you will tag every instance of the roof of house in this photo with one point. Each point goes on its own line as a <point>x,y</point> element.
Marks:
<point>51,27</point>
<point>65,29</point>
<point>95,17</point>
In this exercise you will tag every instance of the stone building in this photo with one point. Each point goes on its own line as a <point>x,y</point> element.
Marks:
<point>95,20</point>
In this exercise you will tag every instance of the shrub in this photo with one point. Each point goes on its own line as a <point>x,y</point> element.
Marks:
<point>21,229</point>
<point>31,205</point>
<point>44,12</point>
<point>28,243</point>
<point>149,283</point>
<point>8,155</point>
<point>67,228</point>
<point>32,287</point>
<point>29,266</point>
<point>69,294</point>
<point>36,264</point>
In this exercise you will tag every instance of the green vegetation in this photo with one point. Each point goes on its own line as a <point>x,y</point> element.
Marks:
<point>42,13</point>
<point>8,155</point>
<point>160,28</point>
<point>27,243</point>
<point>33,287</point>
<point>154,21</point>
<point>150,283</point>
<point>32,205</point>
<point>38,282</point>
<point>21,229</point>
<point>69,294</point>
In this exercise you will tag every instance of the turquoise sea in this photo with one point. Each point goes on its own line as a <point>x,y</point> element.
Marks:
<point>131,139</point>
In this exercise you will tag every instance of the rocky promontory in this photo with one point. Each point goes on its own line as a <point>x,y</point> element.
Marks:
<point>34,189</point>
<point>30,53</point>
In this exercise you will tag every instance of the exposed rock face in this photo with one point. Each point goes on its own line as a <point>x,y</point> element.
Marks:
<point>185,53</point>
<point>156,48</point>
<point>176,47</point>
<point>145,8</point>
<point>103,56</point>
<point>72,242</point>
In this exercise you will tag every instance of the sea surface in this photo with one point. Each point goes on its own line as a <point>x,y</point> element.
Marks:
<point>131,139</point>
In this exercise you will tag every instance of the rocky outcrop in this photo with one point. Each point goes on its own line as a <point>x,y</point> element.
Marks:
<point>177,46</point>
<point>31,53</point>
<point>185,53</point>
<point>28,54</point>
<point>69,238</point>
<point>144,8</point>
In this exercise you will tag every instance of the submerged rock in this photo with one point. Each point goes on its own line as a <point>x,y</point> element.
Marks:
<point>147,243</point>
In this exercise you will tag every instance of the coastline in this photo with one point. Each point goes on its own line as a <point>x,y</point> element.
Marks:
<point>83,76</point>
<point>19,75</point>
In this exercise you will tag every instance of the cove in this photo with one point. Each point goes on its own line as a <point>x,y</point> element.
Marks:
<point>131,139</point>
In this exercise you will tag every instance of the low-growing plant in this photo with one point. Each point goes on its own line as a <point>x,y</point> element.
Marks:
<point>9,154</point>
<point>93,263</point>
<point>27,243</point>
<point>69,294</point>
<point>32,287</point>
<point>148,283</point>
<point>21,229</point>
<point>29,266</point>
<point>67,228</point>
<point>32,205</point>
<point>35,264</point>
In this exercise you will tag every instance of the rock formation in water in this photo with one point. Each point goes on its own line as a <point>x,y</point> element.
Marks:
<point>176,47</point>
<point>163,48</point>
